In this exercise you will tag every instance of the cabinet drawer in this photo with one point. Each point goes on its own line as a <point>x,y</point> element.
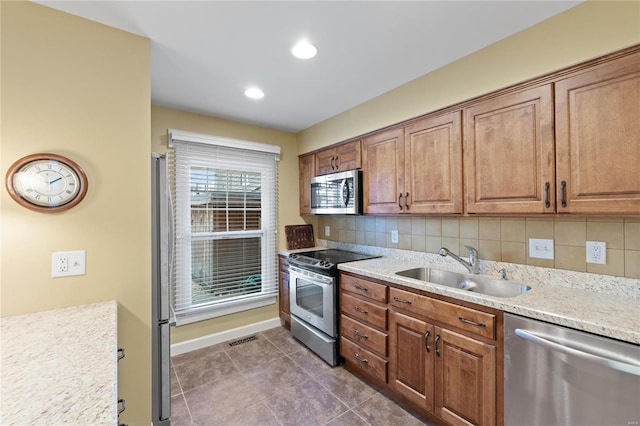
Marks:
<point>471,320</point>
<point>364,288</point>
<point>363,360</point>
<point>364,335</point>
<point>364,311</point>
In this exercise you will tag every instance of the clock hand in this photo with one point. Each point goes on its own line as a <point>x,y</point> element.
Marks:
<point>55,180</point>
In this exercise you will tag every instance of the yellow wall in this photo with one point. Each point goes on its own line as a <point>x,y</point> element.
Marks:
<point>165,118</point>
<point>80,89</point>
<point>586,31</point>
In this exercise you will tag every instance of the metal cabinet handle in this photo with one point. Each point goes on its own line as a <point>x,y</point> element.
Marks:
<point>466,321</point>
<point>358,309</point>
<point>547,201</point>
<point>337,162</point>
<point>359,287</point>
<point>120,353</point>
<point>122,408</point>
<point>400,201</point>
<point>359,358</point>
<point>406,201</point>
<point>435,343</point>
<point>426,341</point>
<point>563,193</point>
<point>358,334</point>
<point>397,299</point>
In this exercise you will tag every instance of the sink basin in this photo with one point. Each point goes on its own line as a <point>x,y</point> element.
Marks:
<point>468,282</point>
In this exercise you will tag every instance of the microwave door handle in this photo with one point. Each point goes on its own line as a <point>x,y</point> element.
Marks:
<point>344,190</point>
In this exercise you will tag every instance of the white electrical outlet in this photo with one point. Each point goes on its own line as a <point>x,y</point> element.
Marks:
<point>596,252</point>
<point>67,263</point>
<point>540,248</point>
<point>394,236</point>
<point>327,231</point>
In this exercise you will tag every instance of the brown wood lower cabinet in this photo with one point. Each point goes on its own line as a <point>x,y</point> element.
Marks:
<point>283,290</point>
<point>435,363</point>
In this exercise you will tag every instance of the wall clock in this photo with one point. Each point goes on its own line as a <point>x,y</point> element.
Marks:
<point>46,182</point>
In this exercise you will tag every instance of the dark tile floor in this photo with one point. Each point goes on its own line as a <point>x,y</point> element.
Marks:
<point>273,380</point>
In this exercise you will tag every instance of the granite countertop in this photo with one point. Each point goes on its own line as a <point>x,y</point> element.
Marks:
<point>599,304</point>
<point>60,366</point>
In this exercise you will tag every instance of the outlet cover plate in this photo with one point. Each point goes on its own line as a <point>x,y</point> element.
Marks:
<point>68,263</point>
<point>394,236</point>
<point>597,252</point>
<point>540,248</point>
<point>327,231</point>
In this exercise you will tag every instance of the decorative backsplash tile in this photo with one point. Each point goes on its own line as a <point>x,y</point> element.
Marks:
<point>499,239</point>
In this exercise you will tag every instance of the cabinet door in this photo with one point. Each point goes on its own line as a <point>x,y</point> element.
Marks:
<point>383,172</point>
<point>598,139</point>
<point>509,153</point>
<point>325,162</point>
<point>307,169</point>
<point>283,291</point>
<point>411,361</point>
<point>348,156</point>
<point>433,164</point>
<point>465,379</point>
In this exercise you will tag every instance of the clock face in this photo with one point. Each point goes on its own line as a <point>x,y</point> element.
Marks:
<point>46,182</point>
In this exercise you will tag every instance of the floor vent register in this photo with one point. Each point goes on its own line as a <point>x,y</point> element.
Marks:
<point>243,340</point>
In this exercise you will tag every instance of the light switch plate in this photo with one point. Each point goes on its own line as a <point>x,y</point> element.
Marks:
<point>540,248</point>
<point>67,263</point>
<point>597,252</point>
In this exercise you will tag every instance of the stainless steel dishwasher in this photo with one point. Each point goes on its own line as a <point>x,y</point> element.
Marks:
<point>559,376</point>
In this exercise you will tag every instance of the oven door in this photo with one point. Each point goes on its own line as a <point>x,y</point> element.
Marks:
<point>313,299</point>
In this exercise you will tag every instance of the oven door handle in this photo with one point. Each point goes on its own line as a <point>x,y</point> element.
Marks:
<point>344,191</point>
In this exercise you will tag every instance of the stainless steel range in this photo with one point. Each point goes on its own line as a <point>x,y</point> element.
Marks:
<point>314,299</point>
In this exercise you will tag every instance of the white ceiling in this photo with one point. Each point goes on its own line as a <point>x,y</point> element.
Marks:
<point>204,54</point>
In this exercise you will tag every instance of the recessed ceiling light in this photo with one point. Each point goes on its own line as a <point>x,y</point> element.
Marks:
<point>254,93</point>
<point>304,50</point>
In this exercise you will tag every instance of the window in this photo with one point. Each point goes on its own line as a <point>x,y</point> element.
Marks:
<point>225,215</point>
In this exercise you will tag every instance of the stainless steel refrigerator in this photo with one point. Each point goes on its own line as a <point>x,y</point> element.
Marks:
<point>161,313</point>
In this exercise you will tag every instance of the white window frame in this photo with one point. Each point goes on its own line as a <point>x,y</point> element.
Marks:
<point>181,271</point>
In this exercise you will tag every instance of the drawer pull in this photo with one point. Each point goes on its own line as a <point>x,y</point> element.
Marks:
<point>466,321</point>
<point>359,287</point>
<point>120,353</point>
<point>426,341</point>
<point>397,299</point>
<point>122,408</point>
<point>359,358</point>
<point>358,334</point>
<point>435,343</point>
<point>359,309</point>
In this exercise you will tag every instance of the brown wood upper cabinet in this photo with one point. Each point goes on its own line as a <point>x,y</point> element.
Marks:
<point>417,169</point>
<point>598,139</point>
<point>509,153</point>
<point>306,164</point>
<point>343,157</point>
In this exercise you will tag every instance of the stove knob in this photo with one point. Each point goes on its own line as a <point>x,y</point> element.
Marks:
<point>324,264</point>
<point>293,256</point>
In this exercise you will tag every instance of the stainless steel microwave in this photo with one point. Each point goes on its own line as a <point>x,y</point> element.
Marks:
<point>337,193</point>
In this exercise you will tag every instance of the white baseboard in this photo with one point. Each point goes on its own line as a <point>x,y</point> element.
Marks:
<point>223,336</point>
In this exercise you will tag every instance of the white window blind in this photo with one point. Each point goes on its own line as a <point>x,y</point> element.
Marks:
<point>225,222</point>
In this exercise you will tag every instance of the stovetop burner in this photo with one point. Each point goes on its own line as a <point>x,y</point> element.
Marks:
<point>325,261</point>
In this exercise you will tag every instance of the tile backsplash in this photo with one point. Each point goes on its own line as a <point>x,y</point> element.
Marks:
<point>499,239</point>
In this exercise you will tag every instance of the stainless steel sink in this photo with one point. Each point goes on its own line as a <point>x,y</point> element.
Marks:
<point>468,282</point>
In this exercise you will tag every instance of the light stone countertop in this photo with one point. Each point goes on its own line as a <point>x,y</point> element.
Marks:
<point>601,304</point>
<point>60,366</point>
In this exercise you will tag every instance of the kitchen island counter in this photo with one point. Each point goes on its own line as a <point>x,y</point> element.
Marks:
<point>60,366</point>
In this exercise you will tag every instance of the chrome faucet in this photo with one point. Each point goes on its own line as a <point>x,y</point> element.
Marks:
<point>471,265</point>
